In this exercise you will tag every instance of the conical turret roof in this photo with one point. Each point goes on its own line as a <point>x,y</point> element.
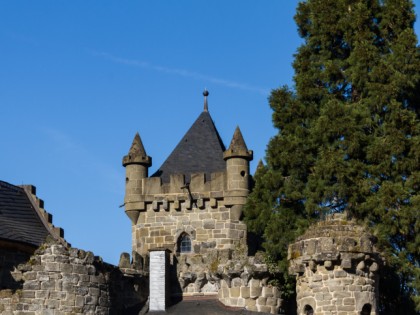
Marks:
<point>237,147</point>
<point>137,146</point>
<point>137,153</point>
<point>199,151</point>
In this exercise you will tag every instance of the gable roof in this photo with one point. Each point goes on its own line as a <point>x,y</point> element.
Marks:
<point>20,221</point>
<point>199,151</point>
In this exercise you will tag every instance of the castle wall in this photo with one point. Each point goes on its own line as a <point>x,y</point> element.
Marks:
<point>256,295</point>
<point>167,210</point>
<point>60,280</point>
<point>335,291</point>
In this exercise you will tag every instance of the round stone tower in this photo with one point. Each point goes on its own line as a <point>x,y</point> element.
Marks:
<point>136,164</point>
<point>336,265</point>
<point>237,158</point>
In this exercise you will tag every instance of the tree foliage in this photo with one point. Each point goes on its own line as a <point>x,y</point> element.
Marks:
<point>348,134</point>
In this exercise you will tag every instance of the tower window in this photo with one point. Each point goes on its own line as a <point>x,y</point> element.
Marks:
<point>366,310</point>
<point>308,310</point>
<point>184,244</point>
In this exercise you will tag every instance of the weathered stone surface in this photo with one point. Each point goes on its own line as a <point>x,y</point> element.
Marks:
<point>345,277</point>
<point>56,281</point>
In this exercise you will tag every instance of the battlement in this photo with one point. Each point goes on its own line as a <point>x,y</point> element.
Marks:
<point>198,183</point>
<point>46,217</point>
<point>179,194</point>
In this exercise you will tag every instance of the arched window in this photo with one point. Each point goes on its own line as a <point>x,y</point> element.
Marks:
<point>308,310</point>
<point>184,243</point>
<point>366,310</point>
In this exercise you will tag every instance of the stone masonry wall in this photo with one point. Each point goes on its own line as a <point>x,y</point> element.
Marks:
<point>335,291</point>
<point>207,222</point>
<point>336,265</point>
<point>256,295</point>
<point>236,279</point>
<point>60,280</point>
<point>203,209</point>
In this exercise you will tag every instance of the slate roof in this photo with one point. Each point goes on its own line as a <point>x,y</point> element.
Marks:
<point>199,151</point>
<point>19,221</point>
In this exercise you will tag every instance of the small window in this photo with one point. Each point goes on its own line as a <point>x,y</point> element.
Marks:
<point>184,243</point>
<point>366,310</point>
<point>308,310</point>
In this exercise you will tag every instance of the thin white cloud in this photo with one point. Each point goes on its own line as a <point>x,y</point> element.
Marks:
<point>181,72</point>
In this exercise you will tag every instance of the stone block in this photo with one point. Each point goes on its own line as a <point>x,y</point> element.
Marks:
<point>357,288</point>
<point>52,266</point>
<point>152,185</point>
<point>340,295</point>
<point>235,292</point>
<point>225,292</point>
<point>91,300</point>
<point>240,302</point>
<point>349,301</point>
<point>271,301</point>
<point>255,292</point>
<point>80,269</point>
<point>261,300</point>
<point>209,224</point>
<point>337,288</point>
<point>245,292</point>
<point>340,274</point>
<point>346,264</point>
<point>267,292</point>
<point>48,285</point>
<point>346,308</point>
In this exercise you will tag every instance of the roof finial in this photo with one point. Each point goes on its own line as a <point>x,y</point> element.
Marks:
<point>206,93</point>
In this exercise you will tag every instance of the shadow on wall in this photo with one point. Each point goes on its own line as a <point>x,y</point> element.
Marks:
<point>9,260</point>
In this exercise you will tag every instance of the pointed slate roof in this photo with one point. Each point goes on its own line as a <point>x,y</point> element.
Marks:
<point>199,151</point>
<point>19,221</point>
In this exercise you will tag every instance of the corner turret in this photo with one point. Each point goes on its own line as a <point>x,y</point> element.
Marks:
<point>136,164</point>
<point>237,158</point>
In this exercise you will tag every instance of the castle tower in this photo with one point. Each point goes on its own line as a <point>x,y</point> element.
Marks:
<point>237,158</point>
<point>136,164</point>
<point>336,267</point>
<point>193,202</point>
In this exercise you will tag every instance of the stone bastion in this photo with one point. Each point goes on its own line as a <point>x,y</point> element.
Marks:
<point>336,266</point>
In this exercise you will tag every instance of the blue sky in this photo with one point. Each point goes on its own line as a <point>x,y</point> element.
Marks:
<point>79,78</point>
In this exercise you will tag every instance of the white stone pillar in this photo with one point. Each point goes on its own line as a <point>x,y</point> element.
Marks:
<point>157,280</point>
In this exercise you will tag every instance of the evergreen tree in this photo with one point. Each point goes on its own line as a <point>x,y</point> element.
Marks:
<point>348,135</point>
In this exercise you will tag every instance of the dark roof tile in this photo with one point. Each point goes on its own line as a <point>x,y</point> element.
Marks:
<point>19,221</point>
<point>199,151</point>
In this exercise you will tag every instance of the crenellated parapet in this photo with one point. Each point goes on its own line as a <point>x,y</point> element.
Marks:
<point>179,194</point>
<point>336,266</point>
<point>47,219</point>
